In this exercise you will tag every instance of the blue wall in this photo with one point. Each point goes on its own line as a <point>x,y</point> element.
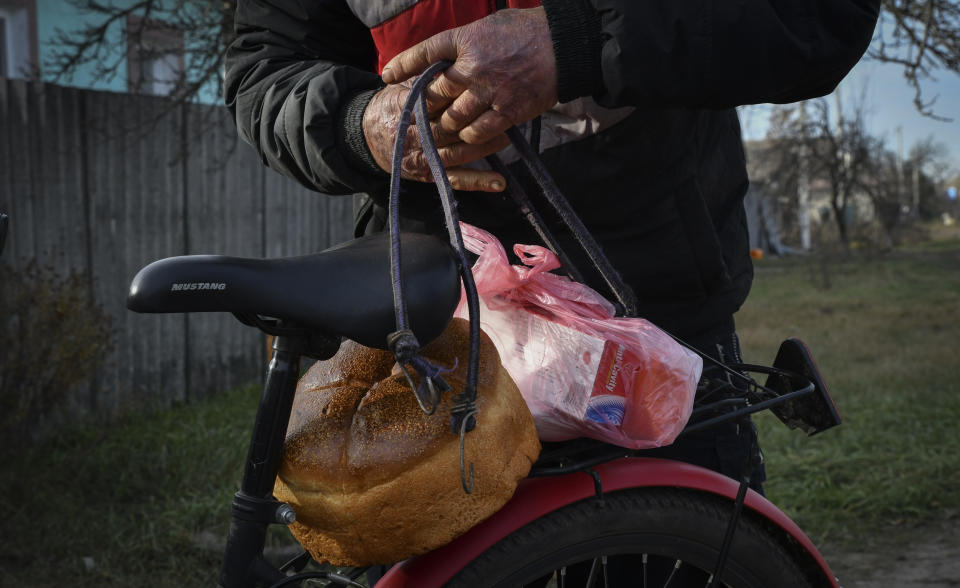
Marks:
<point>54,15</point>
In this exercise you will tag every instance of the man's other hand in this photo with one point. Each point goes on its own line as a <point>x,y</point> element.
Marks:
<point>504,73</point>
<point>380,121</point>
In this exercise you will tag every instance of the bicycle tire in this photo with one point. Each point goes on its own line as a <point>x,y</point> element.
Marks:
<point>666,524</point>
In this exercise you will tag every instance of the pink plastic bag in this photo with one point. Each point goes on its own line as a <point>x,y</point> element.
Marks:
<point>582,371</point>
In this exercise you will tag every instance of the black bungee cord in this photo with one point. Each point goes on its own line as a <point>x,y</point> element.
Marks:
<point>403,343</point>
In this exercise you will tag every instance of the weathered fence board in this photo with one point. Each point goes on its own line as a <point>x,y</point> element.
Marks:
<point>97,182</point>
<point>21,195</point>
<point>135,218</point>
<point>6,137</point>
<point>225,218</point>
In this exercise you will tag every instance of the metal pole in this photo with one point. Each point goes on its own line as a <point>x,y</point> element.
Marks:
<point>916,189</point>
<point>900,199</point>
<point>803,182</point>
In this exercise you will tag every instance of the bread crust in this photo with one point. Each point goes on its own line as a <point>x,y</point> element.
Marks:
<point>373,479</point>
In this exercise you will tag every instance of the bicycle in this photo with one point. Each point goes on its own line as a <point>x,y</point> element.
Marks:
<point>629,499</point>
<point>587,509</point>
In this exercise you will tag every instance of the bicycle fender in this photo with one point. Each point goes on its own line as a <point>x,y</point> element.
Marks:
<point>536,497</point>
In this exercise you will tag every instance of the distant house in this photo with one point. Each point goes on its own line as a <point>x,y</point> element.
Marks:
<point>18,38</point>
<point>774,173</point>
<point>147,55</point>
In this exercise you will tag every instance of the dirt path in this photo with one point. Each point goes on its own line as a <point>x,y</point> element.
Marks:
<point>926,556</point>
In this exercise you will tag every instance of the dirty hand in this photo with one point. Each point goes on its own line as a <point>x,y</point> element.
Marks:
<point>380,121</point>
<point>504,73</point>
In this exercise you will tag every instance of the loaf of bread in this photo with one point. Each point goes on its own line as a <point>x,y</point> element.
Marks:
<point>375,480</point>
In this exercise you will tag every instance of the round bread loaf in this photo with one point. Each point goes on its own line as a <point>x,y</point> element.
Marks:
<point>373,479</point>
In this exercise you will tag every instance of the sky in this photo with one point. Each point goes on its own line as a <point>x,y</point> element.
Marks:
<point>889,104</point>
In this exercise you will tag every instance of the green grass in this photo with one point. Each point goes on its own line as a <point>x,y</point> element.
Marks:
<point>138,499</point>
<point>885,335</point>
<point>133,500</point>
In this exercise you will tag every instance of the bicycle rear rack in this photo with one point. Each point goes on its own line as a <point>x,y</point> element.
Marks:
<point>582,454</point>
<point>797,396</point>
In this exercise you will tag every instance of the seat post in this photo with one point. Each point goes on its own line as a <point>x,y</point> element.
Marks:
<point>254,507</point>
<point>266,444</point>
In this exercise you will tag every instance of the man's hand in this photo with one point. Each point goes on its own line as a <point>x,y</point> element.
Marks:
<point>380,121</point>
<point>504,73</point>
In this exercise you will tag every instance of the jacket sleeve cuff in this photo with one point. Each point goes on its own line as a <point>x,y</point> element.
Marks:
<point>577,45</point>
<point>350,138</point>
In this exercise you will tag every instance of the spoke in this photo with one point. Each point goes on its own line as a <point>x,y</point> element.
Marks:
<point>563,577</point>
<point>676,567</point>
<point>720,583</point>
<point>603,562</point>
<point>594,566</point>
<point>645,558</point>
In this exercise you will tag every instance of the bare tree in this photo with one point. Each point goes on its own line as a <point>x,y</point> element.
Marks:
<point>923,36</point>
<point>173,49</point>
<point>114,31</point>
<point>882,184</point>
<point>908,190</point>
<point>841,151</point>
<point>927,169</point>
<point>831,145</point>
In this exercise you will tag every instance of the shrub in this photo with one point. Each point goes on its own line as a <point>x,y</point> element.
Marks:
<point>53,338</point>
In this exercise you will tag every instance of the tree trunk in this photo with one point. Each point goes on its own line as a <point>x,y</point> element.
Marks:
<point>839,210</point>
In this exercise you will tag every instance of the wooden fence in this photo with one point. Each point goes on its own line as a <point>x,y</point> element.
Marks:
<point>98,182</point>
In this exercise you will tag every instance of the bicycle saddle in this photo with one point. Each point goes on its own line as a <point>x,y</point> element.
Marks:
<point>345,290</point>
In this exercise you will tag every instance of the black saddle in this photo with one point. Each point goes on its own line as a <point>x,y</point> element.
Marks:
<point>344,291</point>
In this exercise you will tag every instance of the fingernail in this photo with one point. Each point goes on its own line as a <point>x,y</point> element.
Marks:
<point>385,72</point>
<point>496,185</point>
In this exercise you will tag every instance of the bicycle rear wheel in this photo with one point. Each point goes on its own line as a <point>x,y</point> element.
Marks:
<point>647,537</point>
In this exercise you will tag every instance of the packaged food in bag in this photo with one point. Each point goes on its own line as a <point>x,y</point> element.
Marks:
<point>582,371</point>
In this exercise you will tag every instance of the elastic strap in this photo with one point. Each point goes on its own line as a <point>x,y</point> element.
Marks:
<point>402,342</point>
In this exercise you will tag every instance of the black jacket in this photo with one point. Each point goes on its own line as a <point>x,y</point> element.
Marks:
<point>646,144</point>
